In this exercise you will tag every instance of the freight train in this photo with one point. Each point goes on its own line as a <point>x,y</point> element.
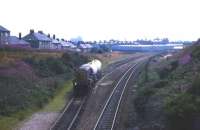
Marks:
<point>86,76</point>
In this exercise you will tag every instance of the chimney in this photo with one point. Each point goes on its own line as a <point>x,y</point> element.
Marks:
<point>54,36</point>
<point>20,36</point>
<point>31,31</point>
<point>41,32</point>
<point>48,35</point>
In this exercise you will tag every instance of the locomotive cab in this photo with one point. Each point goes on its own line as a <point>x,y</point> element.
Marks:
<point>82,83</point>
<point>86,77</point>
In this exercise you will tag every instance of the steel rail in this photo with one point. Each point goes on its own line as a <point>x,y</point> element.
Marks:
<point>107,102</point>
<point>118,105</point>
<point>60,116</point>
<point>75,117</point>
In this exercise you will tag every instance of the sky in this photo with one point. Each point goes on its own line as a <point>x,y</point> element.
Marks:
<point>104,19</point>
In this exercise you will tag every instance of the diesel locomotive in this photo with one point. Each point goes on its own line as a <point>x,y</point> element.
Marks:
<point>86,76</point>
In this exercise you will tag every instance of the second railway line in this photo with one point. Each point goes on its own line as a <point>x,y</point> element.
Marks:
<point>106,120</point>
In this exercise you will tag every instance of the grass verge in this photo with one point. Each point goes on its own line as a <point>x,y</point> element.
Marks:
<point>59,101</point>
<point>7,123</point>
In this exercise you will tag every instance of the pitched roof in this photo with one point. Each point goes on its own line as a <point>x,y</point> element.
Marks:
<point>2,29</point>
<point>41,37</point>
<point>55,41</point>
<point>64,43</point>
<point>85,46</point>
<point>37,36</point>
<point>82,46</point>
<point>88,45</point>
<point>15,40</point>
<point>71,45</point>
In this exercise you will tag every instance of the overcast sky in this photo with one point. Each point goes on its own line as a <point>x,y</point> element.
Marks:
<point>104,19</point>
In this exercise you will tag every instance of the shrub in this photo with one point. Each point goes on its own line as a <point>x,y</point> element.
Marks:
<point>57,66</point>
<point>174,65</point>
<point>142,98</point>
<point>48,67</point>
<point>74,59</point>
<point>195,89</point>
<point>196,52</point>
<point>33,85</point>
<point>14,94</point>
<point>180,111</point>
<point>160,83</point>
<point>144,93</point>
<point>163,72</point>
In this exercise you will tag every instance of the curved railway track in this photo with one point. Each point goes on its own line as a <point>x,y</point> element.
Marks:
<point>108,115</point>
<point>71,111</point>
<point>68,117</point>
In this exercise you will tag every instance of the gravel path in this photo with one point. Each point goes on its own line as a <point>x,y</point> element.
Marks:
<point>38,121</point>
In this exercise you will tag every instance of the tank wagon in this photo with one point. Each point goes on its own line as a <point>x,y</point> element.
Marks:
<point>86,76</point>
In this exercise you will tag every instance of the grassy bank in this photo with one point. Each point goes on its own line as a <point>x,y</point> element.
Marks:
<point>168,96</point>
<point>31,80</point>
<point>9,122</point>
<point>60,99</point>
<point>54,105</point>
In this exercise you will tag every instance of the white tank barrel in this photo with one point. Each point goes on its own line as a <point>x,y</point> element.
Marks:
<point>95,65</point>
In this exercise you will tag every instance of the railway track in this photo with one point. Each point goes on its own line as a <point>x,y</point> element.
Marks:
<point>69,115</point>
<point>71,111</point>
<point>118,65</point>
<point>108,115</point>
<point>68,118</point>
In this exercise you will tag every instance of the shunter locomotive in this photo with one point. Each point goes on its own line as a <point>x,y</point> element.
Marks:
<point>86,76</point>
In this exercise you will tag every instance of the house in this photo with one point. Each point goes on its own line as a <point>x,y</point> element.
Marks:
<point>18,41</point>
<point>64,44</point>
<point>38,40</point>
<point>56,44</point>
<point>71,45</point>
<point>4,34</point>
<point>85,47</point>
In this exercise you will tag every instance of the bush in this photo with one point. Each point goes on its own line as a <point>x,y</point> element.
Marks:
<point>196,52</point>
<point>48,67</point>
<point>174,65</point>
<point>180,111</point>
<point>33,85</point>
<point>142,98</point>
<point>160,83</point>
<point>195,89</point>
<point>14,94</point>
<point>57,66</point>
<point>144,93</point>
<point>74,59</point>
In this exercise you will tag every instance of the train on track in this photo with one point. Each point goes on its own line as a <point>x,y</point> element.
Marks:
<point>86,76</point>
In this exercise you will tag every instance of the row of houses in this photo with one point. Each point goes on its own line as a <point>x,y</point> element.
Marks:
<point>42,41</point>
<point>39,40</point>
